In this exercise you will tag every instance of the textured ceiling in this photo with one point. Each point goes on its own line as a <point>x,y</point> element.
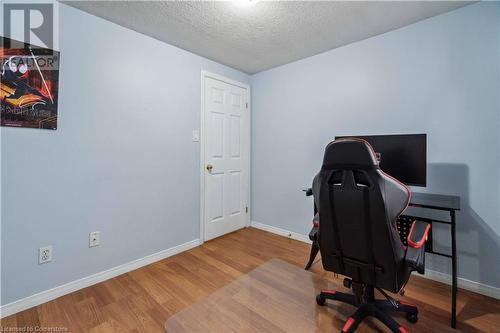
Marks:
<point>264,35</point>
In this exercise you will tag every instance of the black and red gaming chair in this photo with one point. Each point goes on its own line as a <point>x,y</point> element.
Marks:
<point>358,205</point>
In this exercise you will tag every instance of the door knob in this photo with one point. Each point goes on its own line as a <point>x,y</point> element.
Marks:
<point>210,167</point>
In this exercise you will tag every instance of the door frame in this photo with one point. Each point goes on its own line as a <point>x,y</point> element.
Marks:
<point>206,74</point>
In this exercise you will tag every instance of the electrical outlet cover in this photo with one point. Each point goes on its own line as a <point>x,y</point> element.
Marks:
<point>45,254</point>
<point>196,136</point>
<point>94,238</point>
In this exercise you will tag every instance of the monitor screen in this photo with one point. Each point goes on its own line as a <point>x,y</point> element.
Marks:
<point>403,156</point>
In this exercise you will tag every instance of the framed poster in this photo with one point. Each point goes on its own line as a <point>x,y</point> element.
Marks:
<point>29,85</point>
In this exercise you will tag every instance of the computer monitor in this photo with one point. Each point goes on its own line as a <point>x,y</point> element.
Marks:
<point>403,156</point>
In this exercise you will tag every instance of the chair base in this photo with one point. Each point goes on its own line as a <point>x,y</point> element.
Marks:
<point>375,308</point>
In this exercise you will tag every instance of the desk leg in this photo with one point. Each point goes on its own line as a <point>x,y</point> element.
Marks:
<point>454,271</point>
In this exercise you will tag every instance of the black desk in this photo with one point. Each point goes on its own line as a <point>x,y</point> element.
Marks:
<point>448,203</point>
<point>435,201</point>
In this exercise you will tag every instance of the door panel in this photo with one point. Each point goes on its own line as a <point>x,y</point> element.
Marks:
<point>227,146</point>
<point>234,190</point>
<point>235,135</point>
<point>216,197</point>
<point>217,135</point>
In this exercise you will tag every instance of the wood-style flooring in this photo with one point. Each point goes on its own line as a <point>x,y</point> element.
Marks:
<point>142,300</point>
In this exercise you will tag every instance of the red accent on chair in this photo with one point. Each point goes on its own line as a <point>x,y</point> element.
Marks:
<point>402,329</point>
<point>315,224</point>
<point>348,324</point>
<point>329,291</point>
<point>407,304</point>
<point>417,245</point>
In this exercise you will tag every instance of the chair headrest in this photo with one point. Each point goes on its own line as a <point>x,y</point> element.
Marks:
<point>349,153</point>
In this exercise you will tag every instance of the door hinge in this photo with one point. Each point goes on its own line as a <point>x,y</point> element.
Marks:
<point>246,209</point>
<point>246,105</point>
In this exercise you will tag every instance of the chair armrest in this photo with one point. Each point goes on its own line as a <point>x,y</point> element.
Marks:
<point>415,253</point>
<point>315,220</point>
<point>418,234</point>
<point>313,234</point>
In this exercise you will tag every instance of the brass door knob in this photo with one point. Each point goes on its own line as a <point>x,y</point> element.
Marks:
<point>210,167</point>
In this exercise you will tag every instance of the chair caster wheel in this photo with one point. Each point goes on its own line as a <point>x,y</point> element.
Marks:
<point>412,317</point>
<point>320,300</point>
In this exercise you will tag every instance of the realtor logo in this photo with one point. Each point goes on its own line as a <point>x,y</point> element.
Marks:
<point>32,23</point>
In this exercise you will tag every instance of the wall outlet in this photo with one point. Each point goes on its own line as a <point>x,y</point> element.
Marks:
<point>196,136</point>
<point>94,238</point>
<point>45,254</point>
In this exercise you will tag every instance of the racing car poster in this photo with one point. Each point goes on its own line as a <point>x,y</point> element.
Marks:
<point>29,85</point>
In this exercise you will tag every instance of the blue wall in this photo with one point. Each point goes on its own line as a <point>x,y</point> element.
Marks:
<point>121,162</point>
<point>439,76</point>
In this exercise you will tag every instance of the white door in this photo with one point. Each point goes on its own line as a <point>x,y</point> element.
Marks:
<point>226,138</point>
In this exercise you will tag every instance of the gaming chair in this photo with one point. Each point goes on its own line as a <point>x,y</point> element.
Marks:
<point>358,205</point>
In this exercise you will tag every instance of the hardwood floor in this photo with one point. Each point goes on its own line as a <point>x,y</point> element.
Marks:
<point>142,300</point>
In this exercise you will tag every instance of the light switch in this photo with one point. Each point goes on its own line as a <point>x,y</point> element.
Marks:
<point>196,136</point>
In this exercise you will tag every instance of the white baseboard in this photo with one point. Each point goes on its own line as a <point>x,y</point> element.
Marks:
<point>466,284</point>
<point>473,286</point>
<point>281,232</point>
<point>48,295</point>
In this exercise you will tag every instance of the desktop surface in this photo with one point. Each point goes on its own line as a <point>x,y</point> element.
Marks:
<point>441,201</point>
